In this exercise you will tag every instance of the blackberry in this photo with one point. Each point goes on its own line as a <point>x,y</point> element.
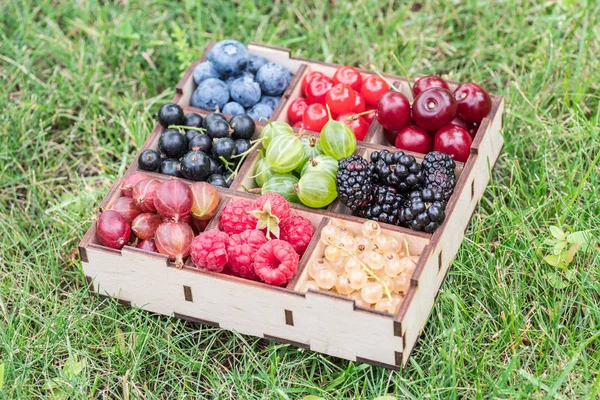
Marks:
<point>353,181</point>
<point>438,169</point>
<point>385,205</point>
<point>397,169</point>
<point>424,210</point>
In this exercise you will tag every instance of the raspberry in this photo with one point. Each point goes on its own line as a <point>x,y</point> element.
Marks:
<point>271,208</point>
<point>297,231</point>
<point>235,217</point>
<point>276,262</point>
<point>209,250</point>
<point>242,250</point>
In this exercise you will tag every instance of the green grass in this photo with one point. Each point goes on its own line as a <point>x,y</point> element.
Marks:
<point>79,84</point>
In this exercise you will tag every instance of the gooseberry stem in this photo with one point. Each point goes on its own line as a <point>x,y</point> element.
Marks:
<point>365,267</point>
<point>255,144</point>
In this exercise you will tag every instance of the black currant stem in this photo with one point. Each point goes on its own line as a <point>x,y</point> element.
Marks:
<point>255,144</point>
<point>403,72</point>
<point>365,267</point>
<point>187,128</point>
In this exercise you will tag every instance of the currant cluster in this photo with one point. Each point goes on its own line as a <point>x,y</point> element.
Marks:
<point>369,266</point>
<point>437,120</point>
<point>157,216</point>
<point>260,240</point>
<point>199,149</point>
<point>347,95</point>
<point>396,189</point>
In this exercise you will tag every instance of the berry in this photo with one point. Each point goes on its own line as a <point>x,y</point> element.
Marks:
<point>454,141</point>
<point>190,134</point>
<point>315,117</point>
<point>260,111</point>
<point>216,166</point>
<point>217,127</point>
<point>276,262</point>
<point>205,70</point>
<point>370,116</point>
<point>149,160</point>
<point>397,169</point>
<point>390,136</point>
<point>348,75</point>
<point>255,62</point>
<point>224,147</point>
<point>296,110</point>
<point>308,78</point>
<point>233,108</point>
<point>341,99</point>
<point>353,182</point>
<point>229,57</point>
<point>424,210</point>
<point>458,121</point>
<point>200,142</point>
<point>170,166</point>
<point>373,88</point>
<point>299,125</point>
<point>357,125</point>
<point>243,127</point>
<point>172,143</point>
<point>271,101</point>
<point>210,94</point>
<point>170,114</point>
<point>270,209</point>
<point>413,138</point>
<point>195,166</point>
<point>209,250</point>
<point>317,89</point>
<point>474,103</point>
<point>298,231</point>
<point>241,146</point>
<point>193,120</point>
<point>217,180</point>
<point>439,173</point>
<point>273,79</point>
<point>433,109</point>
<point>384,206</point>
<point>360,104</point>
<point>236,217</point>
<point>210,118</point>
<point>393,111</point>
<point>245,91</point>
<point>242,251</point>
<point>428,82</point>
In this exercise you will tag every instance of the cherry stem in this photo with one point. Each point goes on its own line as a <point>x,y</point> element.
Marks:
<point>383,77</point>
<point>364,113</point>
<point>403,72</point>
<point>365,267</point>
<point>187,128</point>
<point>328,111</point>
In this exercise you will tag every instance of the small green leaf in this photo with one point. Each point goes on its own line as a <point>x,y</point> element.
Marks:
<point>555,280</point>
<point>386,397</point>
<point>558,247</point>
<point>580,237</point>
<point>73,368</point>
<point>312,397</point>
<point>570,254</point>
<point>556,232</point>
<point>550,241</point>
<point>569,275</point>
<point>552,260</point>
<point>1,375</point>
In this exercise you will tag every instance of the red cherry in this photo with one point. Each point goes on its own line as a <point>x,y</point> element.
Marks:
<point>473,102</point>
<point>341,99</point>
<point>370,116</point>
<point>348,75</point>
<point>308,78</point>
<point>390,136</point>
<point>428,82</point>
<point>473,128</point>
<point>317,89</point>
<point>315,117</point>
<point>458,121</point>
<point>373,88</point>
<point>296,110</point>
<point>393,111</point>
<point>433,109</point>
<point>299,125</point>
<point>357,124</point>
<point>360,104</point>
<point>415,139</point>
<point>454,141</point>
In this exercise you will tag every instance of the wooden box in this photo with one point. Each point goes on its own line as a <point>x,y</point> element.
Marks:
<point>315,320</point>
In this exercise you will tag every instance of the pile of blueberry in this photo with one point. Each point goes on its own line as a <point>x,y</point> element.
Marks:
<point>237,82</point>
<point>199,148</point>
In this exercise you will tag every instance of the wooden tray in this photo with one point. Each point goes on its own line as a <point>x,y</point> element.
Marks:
<point>315,320</point>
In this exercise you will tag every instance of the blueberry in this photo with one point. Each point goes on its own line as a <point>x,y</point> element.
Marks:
<point>245,92</point>
<point>255,62</point>
<point>233,108</point>
<point>271,101</point>
<point>192,119</point>
<point>243,126</point>
<point>244,74</point>
<point>259,111</point>
<point>170,114</point>
<point>170,166</point>
<point>205,70</point>
<point>273,79</point>
<point>149,160</point>
<point>229,57</point>
<point>210,94</point>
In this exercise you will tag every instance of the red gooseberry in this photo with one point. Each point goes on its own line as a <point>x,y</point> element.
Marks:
<point>112,229</point>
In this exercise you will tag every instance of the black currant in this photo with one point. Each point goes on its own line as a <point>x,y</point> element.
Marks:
<point>170,114</point>
<point>210,118</point>
<point>172,143</point>
<point>193,119</point>
<point>243,127</point>
<point>241,146</point>
<point>149,160</point>
<point>170,166</point>
<point>216,166</point>
<point>224,147</point>
<point>190,134</point>
<point>201,142</point>
<point>195,166</point>
<point>217,180</point>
